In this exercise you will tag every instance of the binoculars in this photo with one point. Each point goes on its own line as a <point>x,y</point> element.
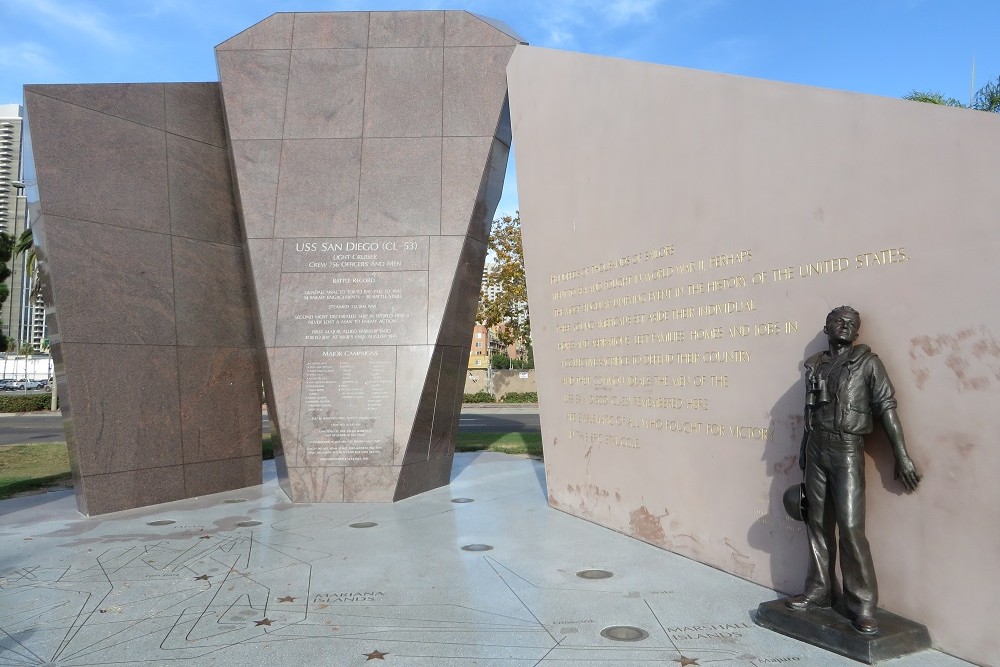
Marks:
<point>817,393</point>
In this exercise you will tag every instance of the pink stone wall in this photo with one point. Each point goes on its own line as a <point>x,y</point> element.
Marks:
<point>685,235</point>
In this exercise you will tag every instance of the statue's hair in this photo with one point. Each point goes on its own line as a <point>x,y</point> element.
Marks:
<point>844,309</point>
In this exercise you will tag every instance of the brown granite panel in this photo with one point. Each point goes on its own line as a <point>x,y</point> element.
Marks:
<point>125,406</point>
<point>194,110</point>
<point>201,191</point>
<point>330,30</point>
<point>255,170</point>
<point>206,477</point>
<point>92,166</point>
<point>284,367</point>
<point>219,402</point>
<point>423,476</point>
<point>137,285</point>
<point>403,93</point>
<point>113,492</point>
<point>475,85</point>
<point>466,171</point>
<point>212,296</point>
<point>326,93</point>
<point>140,103</point>
<point>400,187</point>
<point>318,188</point>
<point>417,447</point>
<point>457,305</point>
<point>503,132</point>
<point>467,29</point>
<point>254,85</point>
<point>316,485</point>
<point>412,425</point>
<point>406,29</point>
<point>448,407</point>
<point>265,269</point>
<point>274,32</point>
<point>445,256</point>
<point>370,484</point>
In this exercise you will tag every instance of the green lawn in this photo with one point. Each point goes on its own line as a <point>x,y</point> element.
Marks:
<point>29,467</point>
<point>529,444</point>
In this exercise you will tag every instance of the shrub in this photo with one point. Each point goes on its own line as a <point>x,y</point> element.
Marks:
<point>520,397</point>
<point>479,397</point>
<point>25,402</point>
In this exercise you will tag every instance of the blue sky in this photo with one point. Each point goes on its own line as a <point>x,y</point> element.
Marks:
<point>881,47</point>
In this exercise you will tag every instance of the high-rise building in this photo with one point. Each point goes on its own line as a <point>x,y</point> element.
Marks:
<point>23,318</point>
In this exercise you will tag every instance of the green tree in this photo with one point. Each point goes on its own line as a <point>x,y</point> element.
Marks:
<point>986,98</point>
<point>6,253</point>
<point>503,305</point>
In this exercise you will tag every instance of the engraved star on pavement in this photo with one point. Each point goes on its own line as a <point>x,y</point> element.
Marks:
<point>263,621</point>
<point>375,655</point>
<point>684,660</point>
<point>287,598</point>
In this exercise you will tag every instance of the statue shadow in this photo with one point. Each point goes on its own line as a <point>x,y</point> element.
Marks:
<point>774,531</point>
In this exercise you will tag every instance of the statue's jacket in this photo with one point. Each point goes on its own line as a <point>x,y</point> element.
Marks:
<point>862,389</point>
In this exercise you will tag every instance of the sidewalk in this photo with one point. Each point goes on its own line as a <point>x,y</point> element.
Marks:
<point>480,573</point>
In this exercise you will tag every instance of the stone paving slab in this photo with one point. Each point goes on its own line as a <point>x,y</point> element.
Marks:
<point>248,578</point>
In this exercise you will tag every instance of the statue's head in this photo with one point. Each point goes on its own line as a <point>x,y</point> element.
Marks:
<point>843,324</point>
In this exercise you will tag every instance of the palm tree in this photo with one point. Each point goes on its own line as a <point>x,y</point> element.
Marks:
<point>26,244</point>
<point>987,98</point>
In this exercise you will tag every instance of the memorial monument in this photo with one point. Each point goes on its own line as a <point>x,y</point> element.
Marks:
<point>682,229</point>
<point>339,261</point>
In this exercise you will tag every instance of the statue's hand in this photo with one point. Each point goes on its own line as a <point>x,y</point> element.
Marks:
<point>907,472</point>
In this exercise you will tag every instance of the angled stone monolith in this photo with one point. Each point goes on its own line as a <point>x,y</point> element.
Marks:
<point>369,151</point>
<point>148,310</point>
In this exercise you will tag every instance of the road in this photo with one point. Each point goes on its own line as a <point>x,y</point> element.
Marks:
<point>47,427</point>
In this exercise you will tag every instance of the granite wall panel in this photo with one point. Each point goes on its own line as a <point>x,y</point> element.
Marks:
<point>257,185</point>
<point>331,30</point>
<point>201,191</point>
<point>187,105</point>
<point>318,187</point>
<point>326,92</point>
<point>130,190</point>
<point>680,266</point>
<point>150,315</point>
<point>358,245</point>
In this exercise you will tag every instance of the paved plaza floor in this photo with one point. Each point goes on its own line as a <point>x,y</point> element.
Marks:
<point>479,573</point>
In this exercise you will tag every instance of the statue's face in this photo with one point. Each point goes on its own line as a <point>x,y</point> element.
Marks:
<point>842,327</point>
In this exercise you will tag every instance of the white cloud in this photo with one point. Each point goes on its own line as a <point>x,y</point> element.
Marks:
<point>573,23</point>
<point>30,58</point>
<point>626,11</point>
<point>78,18</point>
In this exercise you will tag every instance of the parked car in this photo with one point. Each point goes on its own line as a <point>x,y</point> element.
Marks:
<point>7,385</point>
<point>28,384</point>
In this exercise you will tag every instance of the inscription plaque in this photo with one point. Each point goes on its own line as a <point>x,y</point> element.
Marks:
<point>347,401</point>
